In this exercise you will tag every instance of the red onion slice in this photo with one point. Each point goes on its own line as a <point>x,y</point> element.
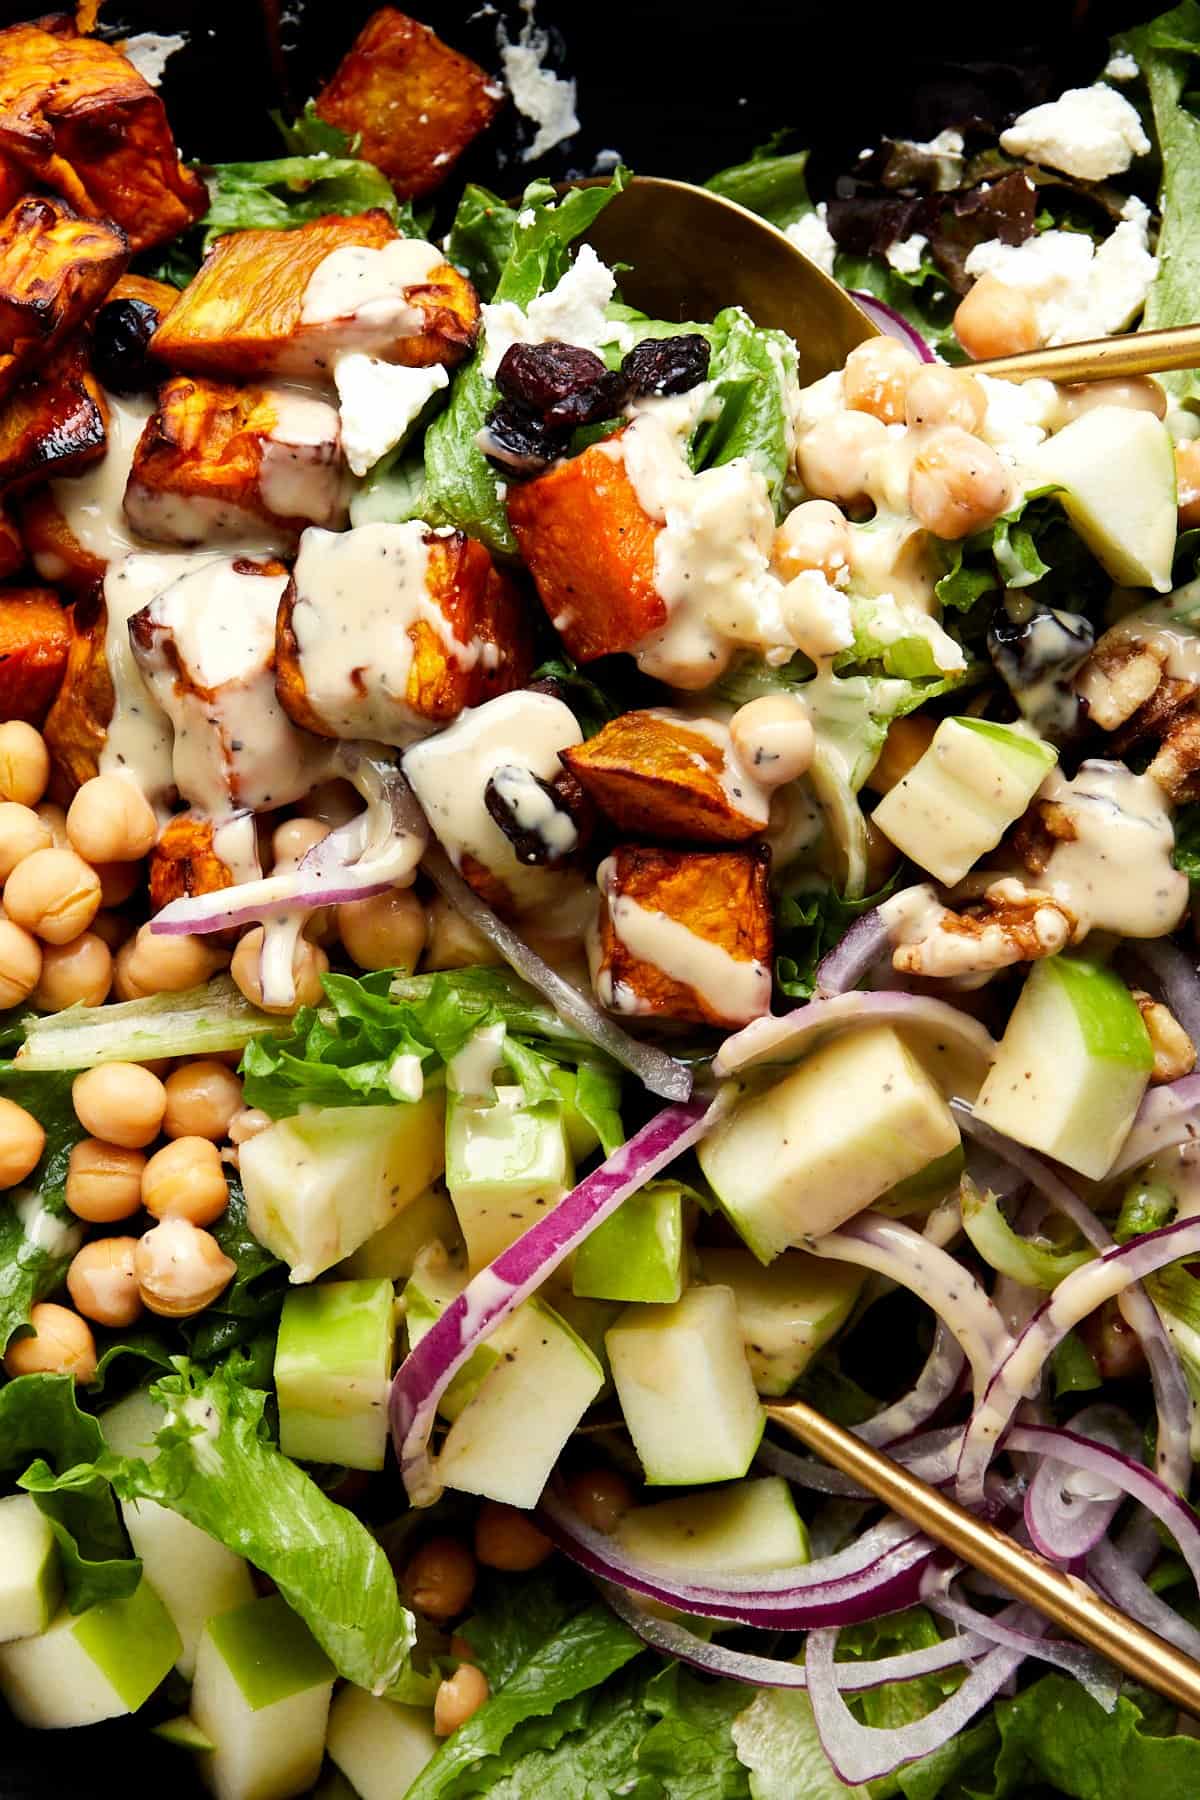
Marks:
<point>938,1381</point>
<point>1020,1628</point>
<point>1063,1523</point>
<point>932,1457</point>
<point>518,1272</point>
<point>1115,1577</point>
<point>842,968</point>
<point>1167,1116</point>
<point>892,323</point>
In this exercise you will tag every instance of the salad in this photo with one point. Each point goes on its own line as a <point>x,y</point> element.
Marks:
<point>567,873</point>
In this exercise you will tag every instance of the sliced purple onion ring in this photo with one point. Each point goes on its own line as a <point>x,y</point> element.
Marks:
<point>892,323</point>
<point>1167,1116</point>
<point>1019,1628</point>
<point>932,1457</point>
<point>864,945</point>
<point>1065,1519</point>
<point>1114,1576</point>
<point>948,1036</point>
<point>938,1382</point>
<point>518,1272</point>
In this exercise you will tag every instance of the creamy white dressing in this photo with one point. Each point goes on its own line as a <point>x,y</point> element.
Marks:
<point>405,1077</point>
<point>472,1071</point>
<point>1117,874</point>
<point>301,473</point>
<point>235,843</point>
<point>138,740</point>
<point>92,504</point>
<point>43,1229</point>
<point>915,916</point>
<point>358,298</point>
<point>190,520</point>
<point>736,991</point>
<point>1166,628</point>
<point>533,810</point>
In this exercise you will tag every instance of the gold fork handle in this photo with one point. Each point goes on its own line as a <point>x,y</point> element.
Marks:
<point>1134,353</point>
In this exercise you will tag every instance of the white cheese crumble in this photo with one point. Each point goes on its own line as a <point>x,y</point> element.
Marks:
<point>378,403</point>
<point>537,92</point>
<point>905,255</point>
<point>1079,290</point>
<point>1121,67</point>
<point>818,615</point>
<point>149,53</point>
<point>1020,414</point>
<point>573,312</point>
<point>811,234</point>
<point>1091,133</point>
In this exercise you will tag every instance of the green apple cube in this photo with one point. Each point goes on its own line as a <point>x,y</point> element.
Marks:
<point>744,1528</point>
<point>319,1185</point>
<point>507,1439</point>
<point>379,1747</point>
<point>506,1165</point>
<point>193,1575</point>
<point>261,1694</point>
<point>588,1318</point>
<point>435,1280</point>
<point>1072,1066</point>
<point>961,796</point>
<point>849,1122</point>
<point>333,1368</point>
<point>581,1135</point>
<point>786,1311</point>
<point>393,1251</point>
<point>637,1254</point>
<point>30,1585</point>
<point>98,1664</point>
<point>686,1389</point>
<point>1116,467</point>
<point>921,1192</point>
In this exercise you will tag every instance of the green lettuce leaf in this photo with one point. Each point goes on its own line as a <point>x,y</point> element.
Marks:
<point>287,191</point>
<point>808,925</point>
<point>589,1761</point>
<point>37,1239</point>
<point>1055,1733</point>
<point>1073,1368</point>
<point>771,185</point>
<point>777,1741</point>
<point>1187,842</point>
<point>690,1747</point>
<point>924,297</point>
<point>199,1022</point>
<point>750,371</point>
<point>480,240</point>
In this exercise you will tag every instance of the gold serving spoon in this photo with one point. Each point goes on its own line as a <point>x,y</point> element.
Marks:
<point>690,252</point>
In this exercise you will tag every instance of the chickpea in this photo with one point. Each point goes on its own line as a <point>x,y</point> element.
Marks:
<point>54,894</point>
<point>309,963</point>
<point>996,320</point>
<point>1140,393</point>
<point>835,458</point>
<point>21,833</point>
<point>906,742</point>
<point>112,928</point>
<point>293,840</point>
<point>102,1283</point>
<point>440,1579</point>
<point>104,1181</point>
<point>78,973</point>
<point>180,1269</point>
<point>941,396</point>
<point>248,1123</point>
<point>876,378</point>
<point>1187,476</point>
<point>452,942</point>
<point>508,1539</point>
<point>154,962</point>
<point>118,880</point>
<point>601,1497</point>
<point>202,1098</point>
<point>185,1180</point>
<point>64,1345</point>
<point>385,932</point>
<point>24,763</point>
<point>774,738</point>
<point>110,820</point>
<point>20,963</point>
<point>54,818</point>
<point>957,484</point>
<point>459,1698</point>
<point>120,1102</point>
<point>22,1141</point>
<point>815,535</point>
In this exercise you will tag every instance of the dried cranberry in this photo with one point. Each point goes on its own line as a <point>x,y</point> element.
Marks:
<point>533,815</point>
<point>667,365</point>
<point>563,383</point>
<point>518,439</point>
<point>120,346</point>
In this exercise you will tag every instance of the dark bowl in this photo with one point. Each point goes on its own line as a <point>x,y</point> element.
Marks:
<point>678,89</point>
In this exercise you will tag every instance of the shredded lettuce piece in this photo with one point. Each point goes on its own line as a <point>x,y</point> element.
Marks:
<point>38,1234</point>
<point>771,185</point>
<point>199,1022</point>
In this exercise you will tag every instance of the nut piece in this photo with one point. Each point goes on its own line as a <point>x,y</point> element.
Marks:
<point>1174,1051</point>
<point>1176,765</point>
<point>1116,679</point>
<point>180,1269</point>
<point>1011,924</point>
<point>1046,824</point>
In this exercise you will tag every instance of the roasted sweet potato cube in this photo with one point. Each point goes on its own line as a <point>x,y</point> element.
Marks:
<point>34,639</point>
<point>670,777</point>
<point>55,269</point>
<point>158,294</point>
<point>215,461</point>
<point>684,935</point>
<point>54,550</point>
<point>54,422</point>
<point>590,547</point>
<point>406,656</point>
<point>184,862</point>
<point>77,723</point>
<point>414,103</point>
<point>243,313</point>
<point>76,117</point>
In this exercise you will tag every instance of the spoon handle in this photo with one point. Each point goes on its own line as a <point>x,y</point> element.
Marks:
<point>1055,1593</point>
<point>1134,353</point>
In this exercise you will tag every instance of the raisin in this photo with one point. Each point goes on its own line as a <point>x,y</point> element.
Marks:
<point>533,815</point>
<point>667,365</point>
<point>120,346</point>
<point>563,384</point>
<point>519,441</point>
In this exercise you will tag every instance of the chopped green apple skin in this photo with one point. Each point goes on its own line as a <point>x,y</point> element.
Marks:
<point>961,796</point>
<point>1072,1066</point>
<point>685,1388</point>
<point>333,1367</point>
<point>319,1185</point>
<point>1116,469</point>
<point>637,1253</point>
<point>394,1250</point>
<point>183,1732</point>
<point>742,1528</point>
<point>436,1279</point>
<point>852,1119</point>
<point>379,1747</point>
<point>99,1664</point>
<point>30,1586</point>
<point>506,1165</point>
<point>921,1192</point>
<point>787,1311</point>
<point>261,1695</point>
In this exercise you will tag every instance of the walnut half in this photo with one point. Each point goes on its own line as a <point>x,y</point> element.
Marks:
<point>1174,1051</point>
<point>1010,924</point>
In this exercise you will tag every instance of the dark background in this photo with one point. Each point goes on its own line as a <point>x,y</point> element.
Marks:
<point>678,87</point>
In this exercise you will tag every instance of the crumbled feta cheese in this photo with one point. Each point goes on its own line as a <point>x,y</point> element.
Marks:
<point>811,234</point>
<point>1019,415</point>
<point>905,255</point>
<point>819,400</point>
<point>1079,291</point>
<point>149,53</point>
<point>1090,133</point>
<point>571,313</point>
<point>817,614</point>
<point>1121,67</point>
<point>537,92</point>
<point>378,402</point>
<point>526,217</point>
